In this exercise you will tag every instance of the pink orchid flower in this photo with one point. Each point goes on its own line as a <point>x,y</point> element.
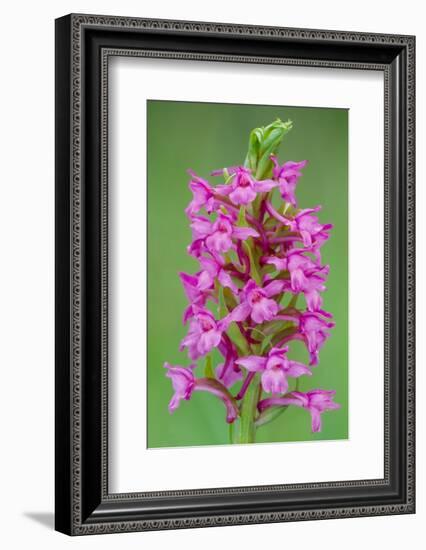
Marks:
<point>228,372</point>
<point>306,276</point>
<point>314,401</point>
<point>315,332</point>
<point>183,382</point>
<point>217,236</point>
<point>203,195</point>
<point>287,176</point>
<point>257,302</point>
<point>313,233</point>
<point>204,333</point>
<point>214,268</point>
<point>199,287</point>
<point>312,288</point>
<point>300,266</point>
<point>275,368</point>
<point>196,289</point>
<point>243,188</point>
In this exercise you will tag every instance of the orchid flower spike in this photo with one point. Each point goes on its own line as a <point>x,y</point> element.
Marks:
<point>257,288</point>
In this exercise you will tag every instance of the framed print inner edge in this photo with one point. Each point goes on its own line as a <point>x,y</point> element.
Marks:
<point>119,441</point>
<point>114,512</point>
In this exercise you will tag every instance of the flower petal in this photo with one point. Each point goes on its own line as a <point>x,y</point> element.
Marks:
<point>274,287</point>
<point>253,363</point>
<point>242,195</point>
<point>264,310</point>
<point>264,186</point>
<point>243,233</point>
<point>226,281</point>
<point>279,263</point>
<point>240,313</point>
<point>303,398</point>
<point>228,376</point>
<point>274,381</point>
<point>208,340</point>
<point>298,369</point>
<point>200,226</point>
<point>223,189</point>
<point>316,420</point>
<point>205,281</point>
<point>219,242</point>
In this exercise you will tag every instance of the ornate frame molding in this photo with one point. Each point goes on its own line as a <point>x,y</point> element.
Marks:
<point>72,61</point>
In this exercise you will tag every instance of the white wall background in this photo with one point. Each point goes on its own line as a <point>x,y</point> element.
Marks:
<point>26,289</point>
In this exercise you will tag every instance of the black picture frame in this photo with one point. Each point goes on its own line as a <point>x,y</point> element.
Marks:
<point>83,45</point>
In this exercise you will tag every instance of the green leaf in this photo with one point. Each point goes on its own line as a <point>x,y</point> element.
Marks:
<point>229,298</point>
<point>271,139</point>
<point>292,303</point>
<point>267,268</point>
<point>242,222</point>
<point>238,339</point>
<point>266,343</point>
<point>231,257</point>
<point>253,148</point>
<point>208,368</point>
<point>257,254</point>
<point>283,275</point>
<point>273,135</point>
<point>270,223</point>
<point>269,414</point>
<point>223,310</point>
<point>282,334</point>
<point>254,272</point>
<point>273,327</point>
<point>256,205</point>
<point>263,142</point>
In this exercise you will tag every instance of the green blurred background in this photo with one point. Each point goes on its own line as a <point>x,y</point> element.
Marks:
<point>208,136</point>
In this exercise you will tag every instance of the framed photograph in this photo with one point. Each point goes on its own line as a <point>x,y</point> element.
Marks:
<point>234,274</point>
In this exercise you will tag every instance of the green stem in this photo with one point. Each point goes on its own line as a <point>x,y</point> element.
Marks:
<point>231,432</point>
<point>247,429</point>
